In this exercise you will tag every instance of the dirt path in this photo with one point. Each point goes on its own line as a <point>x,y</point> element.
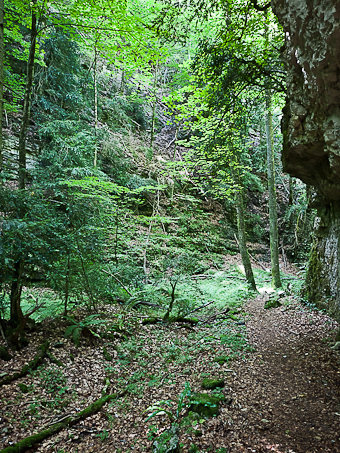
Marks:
<point>286,398</point>
<point>283,397</point>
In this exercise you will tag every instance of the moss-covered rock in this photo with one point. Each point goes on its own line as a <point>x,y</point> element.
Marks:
<point>272,303</point>
<point>204,404</point>
<point>212,383</point>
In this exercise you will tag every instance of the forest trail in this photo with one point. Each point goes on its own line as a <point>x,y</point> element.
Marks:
<point>281,394</point>
<point>287,392</point>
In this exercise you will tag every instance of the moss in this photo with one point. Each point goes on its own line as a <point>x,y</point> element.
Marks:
<point>312,289</point>
<point>107,355</point>
<point>272,303</point>
<point>192,321</point>
<point>31,441</point>
<point>222,359</point>
<point>151,320</point>
<point>212,383</point>
<point>23,387</point>
<point>204,404</point>
<point>32,365</point>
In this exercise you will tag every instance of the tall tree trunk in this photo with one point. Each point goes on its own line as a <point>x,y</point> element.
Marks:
<point>95,105</point>
<point>153,117</point>
<point>2,57</point>
<point>16,316</point>
<point>27,101</point>
<point>242,242</point>
<point>273,228</point>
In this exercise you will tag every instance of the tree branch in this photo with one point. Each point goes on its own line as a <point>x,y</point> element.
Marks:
<point>259,7</point>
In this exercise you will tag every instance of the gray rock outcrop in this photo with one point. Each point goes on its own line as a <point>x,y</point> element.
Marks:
<point>311,129</point>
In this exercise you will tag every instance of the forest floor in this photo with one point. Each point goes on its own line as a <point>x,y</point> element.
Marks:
<point>281,378</point>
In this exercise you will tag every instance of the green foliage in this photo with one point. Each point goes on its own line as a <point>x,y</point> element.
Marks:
<point>273,302</point>
<point>205,405</point>
<point>85,327</point>
<point>166,406</point>
<point>103,435</point>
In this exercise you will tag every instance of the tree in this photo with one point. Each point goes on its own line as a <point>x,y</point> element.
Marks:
<point>2,58</point>
<point>216,155</point>
<point>16,315</point>
<point>273,228</point>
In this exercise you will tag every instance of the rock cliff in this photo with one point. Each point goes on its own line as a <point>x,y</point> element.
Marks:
<point>311,129</point>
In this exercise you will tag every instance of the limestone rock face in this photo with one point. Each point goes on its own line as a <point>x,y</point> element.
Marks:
<point>311,128</point>
<point>312,115</point>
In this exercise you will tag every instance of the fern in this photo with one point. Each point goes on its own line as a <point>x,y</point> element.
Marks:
<point>78,328</point>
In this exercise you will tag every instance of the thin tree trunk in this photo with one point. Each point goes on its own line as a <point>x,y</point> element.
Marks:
<point>27,101</point>
<point>88,288</point>
<point>153,118</point>
<point>16,316</point>
<point>67,284</point>
<point>2,57</point>
<point>241,230</point>
<point>95,105</point>
<point>273,228</point>
<point>291,191</point>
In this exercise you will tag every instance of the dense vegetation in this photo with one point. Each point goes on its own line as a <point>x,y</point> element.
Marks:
<point>140,152</point>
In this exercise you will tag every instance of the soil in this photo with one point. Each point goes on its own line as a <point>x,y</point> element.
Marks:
<point>282,397</point>
<point>288,390</point>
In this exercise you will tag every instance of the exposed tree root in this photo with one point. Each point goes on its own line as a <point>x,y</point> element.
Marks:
<point>42,352</point>
<point>31,441</point>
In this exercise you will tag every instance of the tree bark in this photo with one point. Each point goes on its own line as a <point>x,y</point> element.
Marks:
<point>16,287</point>
<point>2,57</point>
<point>27,101</point>
<point>95,105</point>
<point>241,230</point>
<point>153,117</point>
<point>16,315</point>
<point>273,228</point>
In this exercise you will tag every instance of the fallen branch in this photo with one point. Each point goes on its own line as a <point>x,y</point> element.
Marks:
<point>35,308</point>
<point>171,319</point>
<point>146,304</point>
<point>54,359</point>
<point>199,308</point>
<point>169,144</point>
<point>31,441</point>
<point>33,364</point>
<point>118,281</point>
<point>216,316</point>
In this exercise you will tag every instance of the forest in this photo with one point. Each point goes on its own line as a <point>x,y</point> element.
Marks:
<point>169,226</point>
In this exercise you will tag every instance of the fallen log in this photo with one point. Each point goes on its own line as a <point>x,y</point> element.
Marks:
<point>32,365</point>
<point>31,441</point>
